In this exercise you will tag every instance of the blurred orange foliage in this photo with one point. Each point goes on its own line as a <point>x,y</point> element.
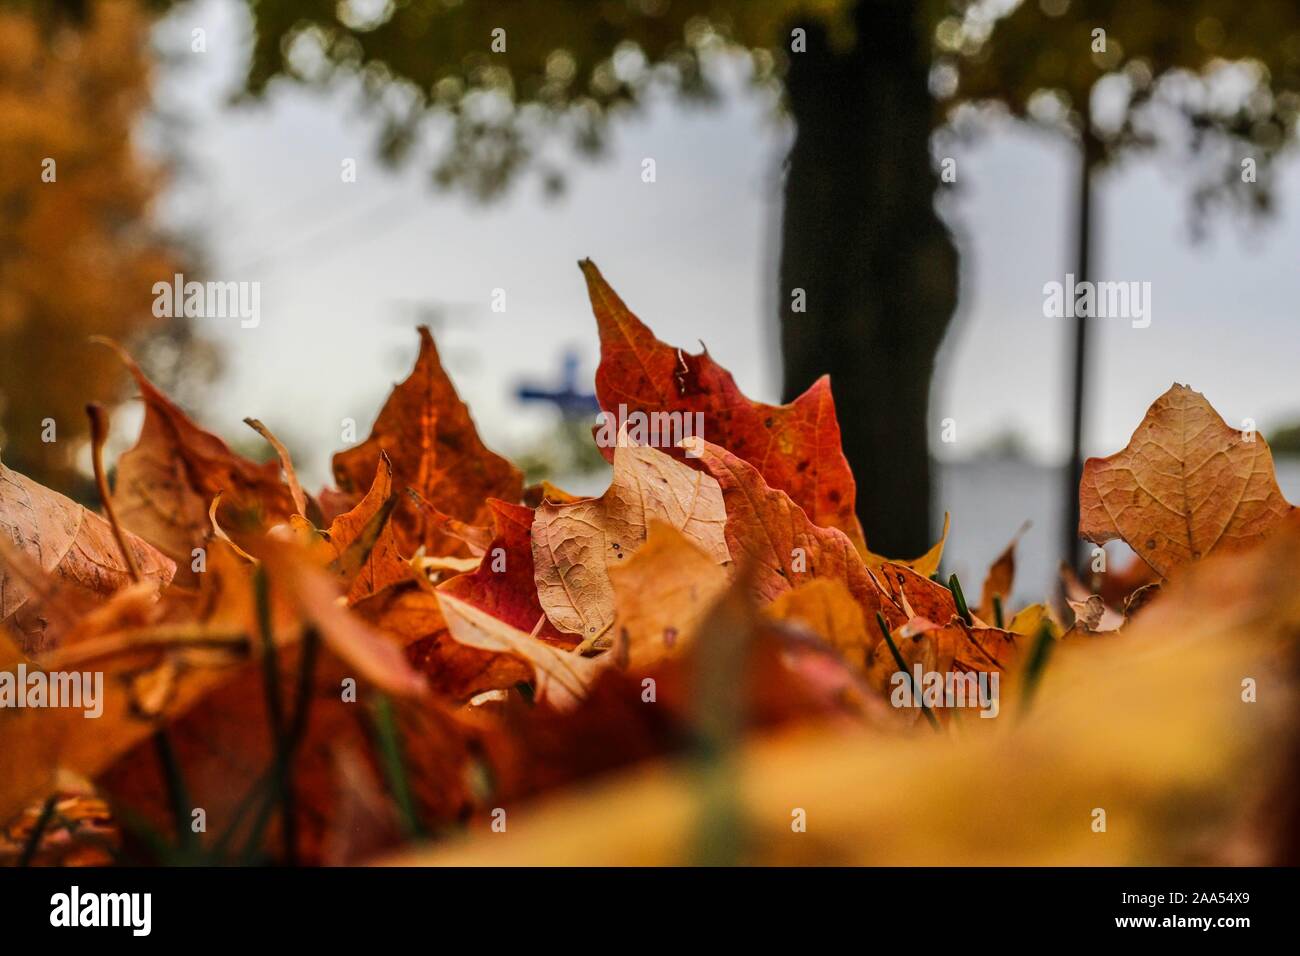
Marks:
<point>78,253</point>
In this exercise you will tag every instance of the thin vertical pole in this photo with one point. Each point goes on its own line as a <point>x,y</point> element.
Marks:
<point>1070,547</point>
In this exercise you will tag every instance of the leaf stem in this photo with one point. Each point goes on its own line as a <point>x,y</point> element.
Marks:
<point>98,435</point>
<point>286,464</point>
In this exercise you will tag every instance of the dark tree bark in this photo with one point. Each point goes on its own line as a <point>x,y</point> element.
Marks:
<point>861,237</point>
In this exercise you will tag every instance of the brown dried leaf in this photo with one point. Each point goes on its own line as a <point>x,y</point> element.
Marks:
<point>575,544</point>
<point>364,540</point>
<point>427,432</point>
<point>1000,579</point>
<point>1186,485</point>
<point>166,482</point>
<point>59,552</point>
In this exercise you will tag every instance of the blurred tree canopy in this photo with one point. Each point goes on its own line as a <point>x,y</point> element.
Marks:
<point>1218,78</point>
<point>1229,68</point>
<point>515,77</point>
<point>78,253</point>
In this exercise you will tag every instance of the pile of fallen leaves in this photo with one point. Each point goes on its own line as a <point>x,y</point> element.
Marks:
<point>697,666</point>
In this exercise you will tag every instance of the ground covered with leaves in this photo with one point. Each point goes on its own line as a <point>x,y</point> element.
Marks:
<point>430,662</point>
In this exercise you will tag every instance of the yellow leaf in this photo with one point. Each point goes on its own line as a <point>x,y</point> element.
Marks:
<point>660,595</point>
<point>825,607</point>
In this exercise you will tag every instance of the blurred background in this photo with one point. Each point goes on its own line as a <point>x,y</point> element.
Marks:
<point>917,170</point>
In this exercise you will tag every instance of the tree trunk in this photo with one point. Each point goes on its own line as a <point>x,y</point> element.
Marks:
<point>861,238</point>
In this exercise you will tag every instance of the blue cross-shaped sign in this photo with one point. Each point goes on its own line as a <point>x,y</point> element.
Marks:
<point>571,402</point>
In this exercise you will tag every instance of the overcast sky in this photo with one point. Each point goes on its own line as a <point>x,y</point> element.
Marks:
<point>346,268</point>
